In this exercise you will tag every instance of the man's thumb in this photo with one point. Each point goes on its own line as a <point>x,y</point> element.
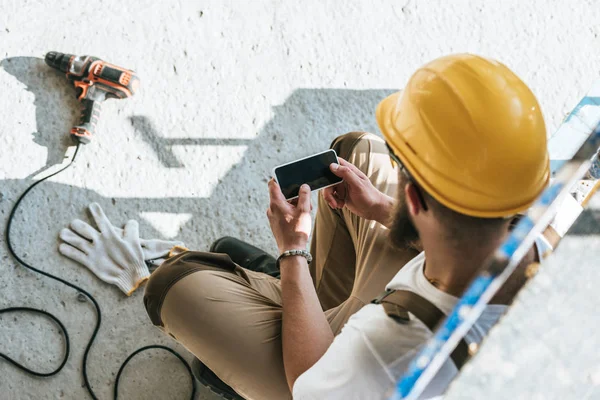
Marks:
<point>304,198</point>
<point>344,172</point>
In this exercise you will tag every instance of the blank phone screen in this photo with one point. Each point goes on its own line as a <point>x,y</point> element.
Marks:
<point>313,171</point>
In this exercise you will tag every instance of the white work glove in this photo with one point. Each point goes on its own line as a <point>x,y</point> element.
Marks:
<point>114,255</point>
<point>154,249</point>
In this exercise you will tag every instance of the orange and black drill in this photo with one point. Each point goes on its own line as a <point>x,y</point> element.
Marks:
<point>95,81</point>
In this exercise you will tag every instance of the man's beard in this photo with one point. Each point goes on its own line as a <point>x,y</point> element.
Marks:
<point>403,234</point>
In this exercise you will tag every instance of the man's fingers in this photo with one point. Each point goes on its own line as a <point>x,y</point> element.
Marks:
<point>329,196</point>
<point>84,229</point>
<point>304,198</point>
<point>102,221</point>
<point>277,198</point>
<point>346,173</point>
<point>353,167</point>
<point>339,202</point>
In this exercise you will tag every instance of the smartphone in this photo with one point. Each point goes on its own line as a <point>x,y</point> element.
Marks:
<point>312,170</point>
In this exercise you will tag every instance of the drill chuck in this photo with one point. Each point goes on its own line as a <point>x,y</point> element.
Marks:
<point>58,60</point>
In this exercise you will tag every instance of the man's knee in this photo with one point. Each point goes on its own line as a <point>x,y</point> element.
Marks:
<point>358,148</point>
<point>175,269</point>
<point>345,145</point>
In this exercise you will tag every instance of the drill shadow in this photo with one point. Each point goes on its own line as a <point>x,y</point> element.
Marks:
<point>56,107</point>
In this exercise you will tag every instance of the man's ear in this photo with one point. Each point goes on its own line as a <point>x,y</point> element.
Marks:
<point>413,202</point>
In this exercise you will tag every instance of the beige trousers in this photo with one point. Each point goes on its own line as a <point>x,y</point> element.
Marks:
<point>230,318</point>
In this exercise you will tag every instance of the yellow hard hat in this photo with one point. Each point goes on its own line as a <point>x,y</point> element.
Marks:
<point>471,134</point>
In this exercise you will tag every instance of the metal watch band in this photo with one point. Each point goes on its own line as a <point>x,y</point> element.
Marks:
<point>289,253</point>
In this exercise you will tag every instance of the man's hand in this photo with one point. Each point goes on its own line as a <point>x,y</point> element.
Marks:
<point>358,194</point>
<point>290,223</point>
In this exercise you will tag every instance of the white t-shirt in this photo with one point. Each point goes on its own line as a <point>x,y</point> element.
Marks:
<point>372,351</point>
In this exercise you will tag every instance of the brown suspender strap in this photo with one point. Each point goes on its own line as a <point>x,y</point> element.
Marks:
<point>398,303</point>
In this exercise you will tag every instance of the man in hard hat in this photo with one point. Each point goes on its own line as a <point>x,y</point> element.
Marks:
<point>469,147</point>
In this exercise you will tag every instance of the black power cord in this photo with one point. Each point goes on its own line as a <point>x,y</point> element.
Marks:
<point>62,327</point>
<point>58,322</point>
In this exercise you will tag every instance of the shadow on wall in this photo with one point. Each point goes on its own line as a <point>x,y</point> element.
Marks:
<point>305,118</point>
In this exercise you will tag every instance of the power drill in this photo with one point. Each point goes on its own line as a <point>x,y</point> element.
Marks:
<point>95,81</point>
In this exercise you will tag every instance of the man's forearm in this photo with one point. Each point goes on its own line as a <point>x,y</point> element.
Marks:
<point>306,334</point>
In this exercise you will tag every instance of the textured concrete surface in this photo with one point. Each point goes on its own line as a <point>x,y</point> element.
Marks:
<point>229,90</point>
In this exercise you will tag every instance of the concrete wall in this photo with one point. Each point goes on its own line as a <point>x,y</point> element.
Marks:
<point>230,89</point>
